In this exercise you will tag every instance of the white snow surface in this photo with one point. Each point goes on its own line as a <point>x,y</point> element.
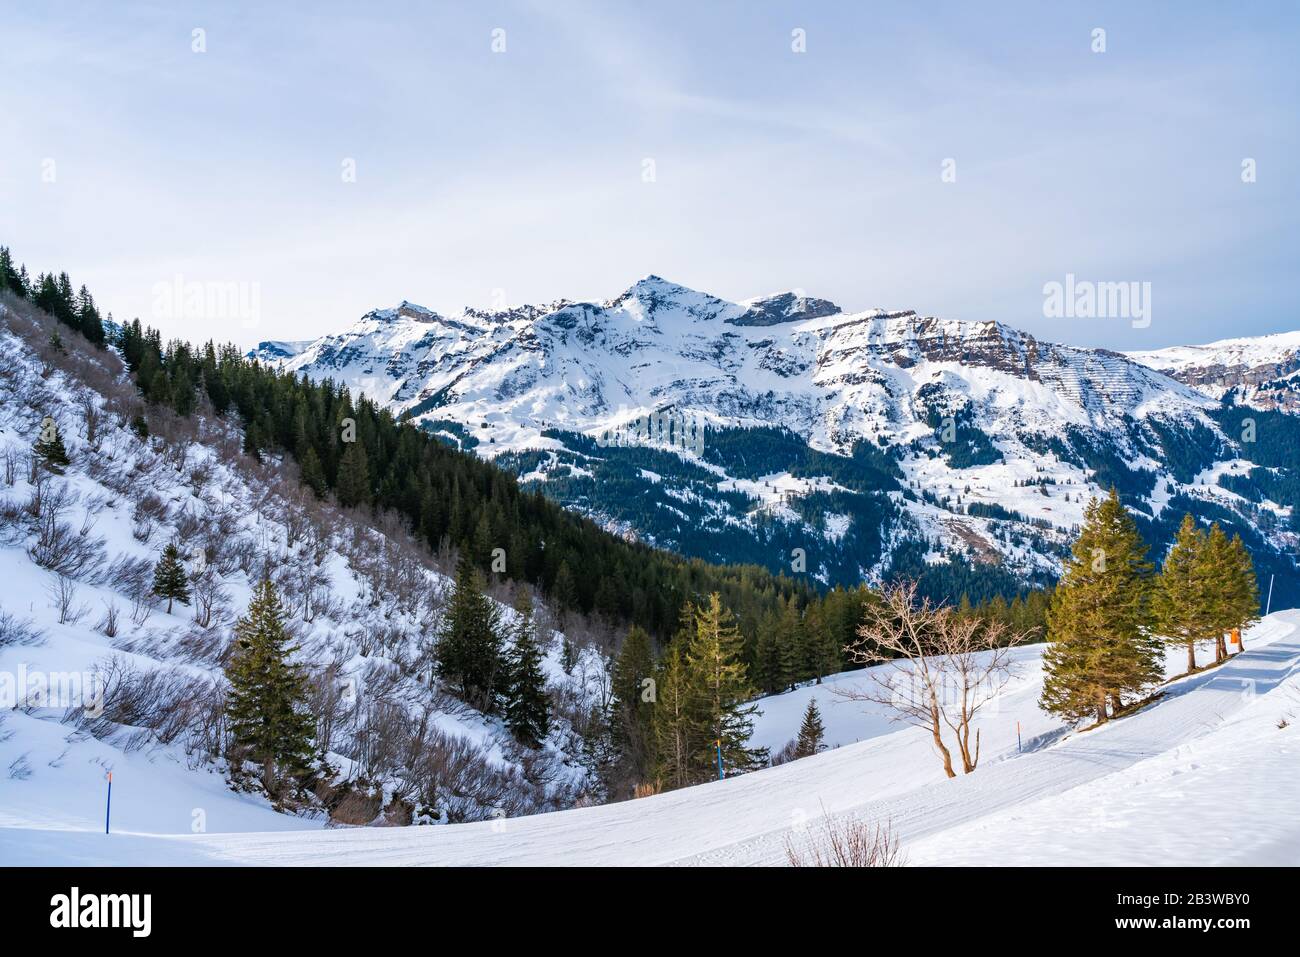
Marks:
<point>1207,774</point>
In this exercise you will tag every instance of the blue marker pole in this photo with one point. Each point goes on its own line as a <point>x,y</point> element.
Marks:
<point>108,808</point>
<point>719,744</point>
<point>1017,736</point>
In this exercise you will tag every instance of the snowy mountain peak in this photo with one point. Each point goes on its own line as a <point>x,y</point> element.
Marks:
<point>939,430</point>
<point>784,307</point>
<point>404,310</point>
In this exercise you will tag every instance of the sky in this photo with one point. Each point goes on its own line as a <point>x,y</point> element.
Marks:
<point>315,161</point>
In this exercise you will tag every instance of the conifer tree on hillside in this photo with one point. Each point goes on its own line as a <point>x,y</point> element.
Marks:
<point>353,484</point>
<point>50,449</point>
<point>791,640</point>
<point>811,733</point>
<point>1180,601</point>
<point>1245,610</point>
<point>313,475</point>
<point>169,578</point>
<point>1233,589</point>
<point>1218,568</point>
<point>632,712</point>
<point>266,703</point>
<point>1099,625</point>
<point>677,725</point>
<point>469,646</point>
<point>528,708</point>
<point>715,661</point>
<point>564,591</point>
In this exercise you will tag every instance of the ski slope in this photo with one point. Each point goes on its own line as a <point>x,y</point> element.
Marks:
<point>1204,775</point>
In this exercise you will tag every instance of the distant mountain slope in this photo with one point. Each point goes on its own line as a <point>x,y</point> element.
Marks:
<point>1261,370</point>
<point>865,444</point>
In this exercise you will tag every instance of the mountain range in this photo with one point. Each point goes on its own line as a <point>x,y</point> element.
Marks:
<point>848,446</point>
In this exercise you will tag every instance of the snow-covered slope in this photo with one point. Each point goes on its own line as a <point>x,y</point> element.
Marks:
<point>108,680</point>
<point>877,442</point>
<point>1260,369</point>
<point>1205,775</point>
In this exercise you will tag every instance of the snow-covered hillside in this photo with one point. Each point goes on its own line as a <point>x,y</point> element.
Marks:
<point>1205,775</point>
<point>1261,370</point>
<point>97,676</point>
<point>877,442</point>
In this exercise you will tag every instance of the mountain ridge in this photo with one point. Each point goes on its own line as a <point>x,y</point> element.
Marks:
<point>968,442</point>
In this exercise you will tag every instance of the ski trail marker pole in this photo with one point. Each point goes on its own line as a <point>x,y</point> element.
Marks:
<point>719,744</point>
<point>1017,736</point>
<point>108,807</point>
<point>1270,595</point>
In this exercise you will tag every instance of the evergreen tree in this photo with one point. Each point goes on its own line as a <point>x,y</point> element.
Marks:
<point>1244,604</point>
<point>811,732</point>
<point>633,715</point>
<point>714,659</point>
<point>169,578</point>
<point>313,475</point>
<point>50,449</point>
<point>266,704</point>
<point>1101,646</point>
<point>353,484</point>
<point>1180,600</point>
<point>677,724</point>
<point>469,646</point>
<point>527,704</point>
<point>1233,590</point>
<point>564,591</point>
<point>770,669</point>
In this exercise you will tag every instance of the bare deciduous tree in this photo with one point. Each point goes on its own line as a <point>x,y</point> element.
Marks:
<point>938,669</point>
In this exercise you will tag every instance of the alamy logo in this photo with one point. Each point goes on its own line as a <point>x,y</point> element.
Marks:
<point>134,911</point>
<point>666,428</point>
<point>1085,299</point>
<point>212,301</point>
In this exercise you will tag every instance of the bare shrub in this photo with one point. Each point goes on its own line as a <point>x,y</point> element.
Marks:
<point>149,505</point>
<point>846,842</point>
<point>358,807</point>
<point>187,525</point>
<point>57,545</point>
<point>331,701</point>
<point>127,574</point>
<point>169,704</point>
<point>108,625</point>
<point>209,598</point>
<point>459,781</point>
<point>91,417</point>
<point>16,631</point>
<point>788,753</point>
<point>63,595</point>
<point>141,608</point>
<point>20,769</point>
